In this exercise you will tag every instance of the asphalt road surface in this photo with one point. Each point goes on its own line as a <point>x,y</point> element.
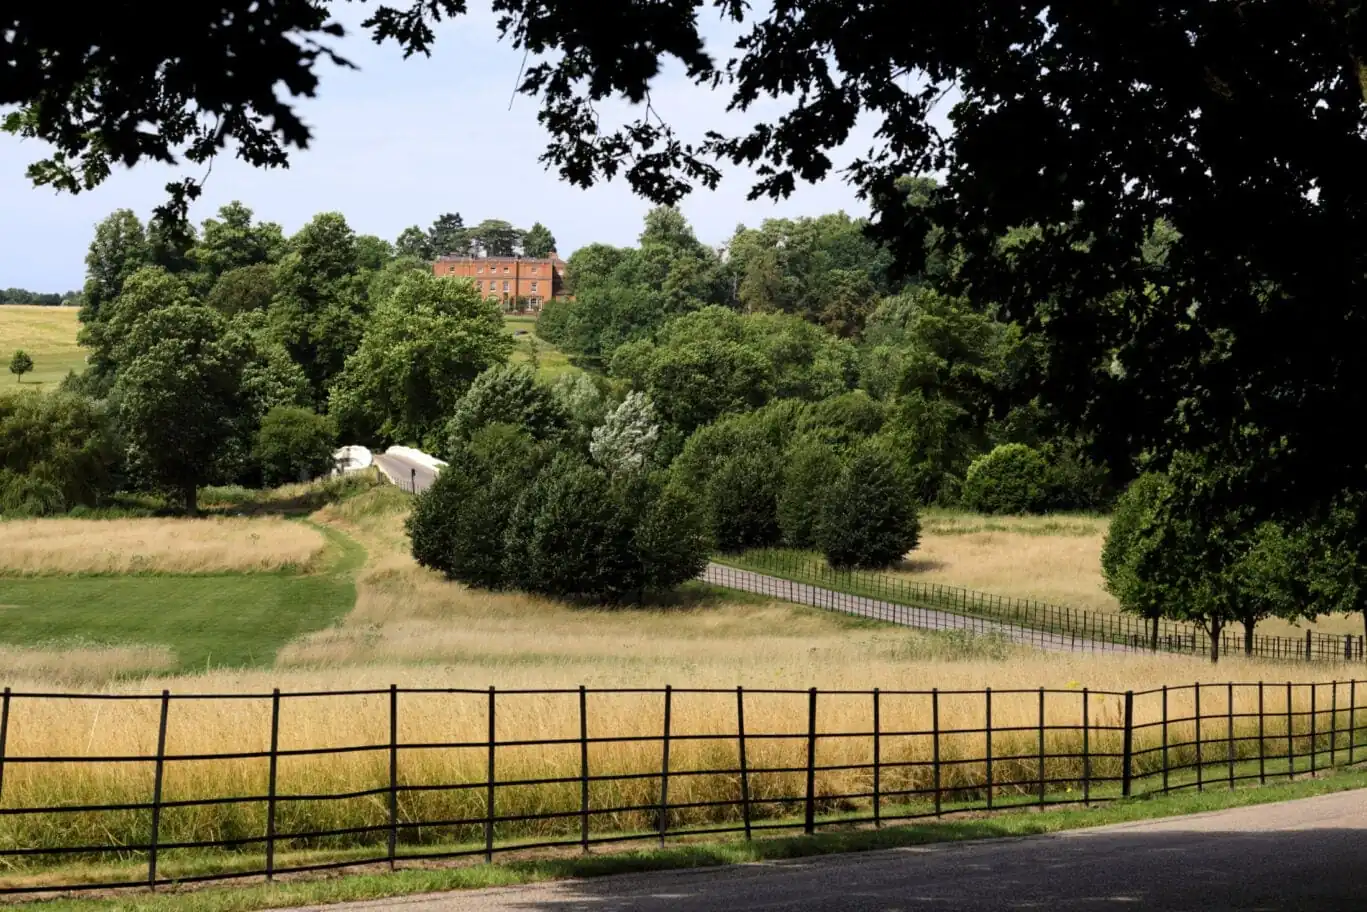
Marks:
<point>404,472</point>
<point>1309,854</point>
<point>907,616</point>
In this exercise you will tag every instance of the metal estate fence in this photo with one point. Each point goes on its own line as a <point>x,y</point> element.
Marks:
<point>103,791</point>
<point>1022,620</point>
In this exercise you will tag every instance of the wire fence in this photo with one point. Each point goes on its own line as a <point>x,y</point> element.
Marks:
<point>1052,626</point>
<point>452,773</point>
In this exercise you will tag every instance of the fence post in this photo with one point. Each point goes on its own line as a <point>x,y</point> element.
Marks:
<point>413,480</point>
<point>1334,724</point>
<point>1348,647</point>
<point>271,784</point>
<point>1290,735</point>
<point>1229,729</point>
<point>1200,769</point>
<point>157,780</point>
<point>935,744</point>
<point>1262,739</point>
<point>393,774</point>
<point>1086,751</point>
<point>489,788</point>
<point>877,765</point>
<point>987,712</point>
<point>809,817</point>
<point>664,767</point>
<point>1041,747</point>
<point>1314,748</point>
<point>583,769</point>
<point>4,738</point>
<point>744,766</point>
<point>1352,722</point>
<point>1166,767</point>
<point>1127,770</point>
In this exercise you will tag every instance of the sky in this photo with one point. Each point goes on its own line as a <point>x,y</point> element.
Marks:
<point>399,142</point>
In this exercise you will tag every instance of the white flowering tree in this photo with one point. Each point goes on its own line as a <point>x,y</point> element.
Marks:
<point>627,437</point>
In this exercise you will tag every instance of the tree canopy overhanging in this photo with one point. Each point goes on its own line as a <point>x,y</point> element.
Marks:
<point>1238,127</point>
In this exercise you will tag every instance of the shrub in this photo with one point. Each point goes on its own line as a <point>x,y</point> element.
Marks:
<point>868,516</point>
<point>1013,478</point>
<point>458,524</point>
<point>742,501</point>
<point>810,468</point>
<point>61,441</point>
<point>29,495</point>
<point>1074,481</point>
<point>507,394</point>
<point>294,444</point>
<point>674,539</point>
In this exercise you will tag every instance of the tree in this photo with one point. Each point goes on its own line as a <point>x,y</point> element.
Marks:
<point>372,252</point>
<point>423,347</point>
<point>320,307</point>
<point>625,441</point>
<point>1134,513</point>
<point>538,242</point>
<point>508,394</point>
<point>495,238</point>
<point>593,265</point>
<point>414,242</point>
<point>118,250</point>
<point>20,364</point>
<point>294,444</point>
<point>111,338</point>
<point>742,501</point>
<point>180,397</point>
<point>448,236</point>
<point>242,290</point>
<point>59,450</point>
<point>232,241</point>
<point>811,469</point>
<point>1013,478</point>
<point>868,516</point>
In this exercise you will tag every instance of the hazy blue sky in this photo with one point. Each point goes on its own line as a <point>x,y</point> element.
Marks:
<point>396,144</point>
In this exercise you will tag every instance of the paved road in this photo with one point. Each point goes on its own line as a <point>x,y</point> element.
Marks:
<point>921,618</point>
<point>404,472</point>
<point>1308,854</point>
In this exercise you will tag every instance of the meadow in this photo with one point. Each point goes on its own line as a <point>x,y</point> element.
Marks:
<point>48,334</point>
<point>549,361</point>
<point>206,619</point>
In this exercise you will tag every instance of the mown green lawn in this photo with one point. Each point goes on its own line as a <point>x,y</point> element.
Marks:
<point>550,361</point>
<point>209,621</point>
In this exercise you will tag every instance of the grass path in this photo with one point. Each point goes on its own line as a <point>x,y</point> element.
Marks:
<point>209,621</point>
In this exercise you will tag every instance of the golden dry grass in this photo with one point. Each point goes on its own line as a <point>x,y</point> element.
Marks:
<point>413,629</point>
<point>207,545</point>
<point>1054,559</point>
<point>82,666</point>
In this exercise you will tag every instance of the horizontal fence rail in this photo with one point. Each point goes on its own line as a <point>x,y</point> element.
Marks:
<point>315,781</point>
<point>936,607</point>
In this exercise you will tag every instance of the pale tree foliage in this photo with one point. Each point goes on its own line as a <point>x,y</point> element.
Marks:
<point>627,437</point>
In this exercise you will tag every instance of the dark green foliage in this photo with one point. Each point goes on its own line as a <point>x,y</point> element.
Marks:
<point>742,499</point>
<point>1075,481</point>
<point>57,451</point>
<point>843,420</point>
<point>507,394</point>
<point>246,288</point>
<point>20,363</point>
<point>1013,478</point>
<point>507,513</point>
<point>294,444</point>
<point>868,516</point>
<point>1121,558</point>
<point>810,470</point>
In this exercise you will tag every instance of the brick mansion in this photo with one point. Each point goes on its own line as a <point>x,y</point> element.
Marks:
<point>518,283</point>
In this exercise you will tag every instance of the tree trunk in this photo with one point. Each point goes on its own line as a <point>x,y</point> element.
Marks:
<point>1214,629</point>
<point>1153,636</point>
<point>191,493</point>
<point>1248,636</point>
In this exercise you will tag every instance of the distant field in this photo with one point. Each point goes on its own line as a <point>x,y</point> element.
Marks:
<point>1054,559</point>
<point>550,360</point>
<point>48,334</point>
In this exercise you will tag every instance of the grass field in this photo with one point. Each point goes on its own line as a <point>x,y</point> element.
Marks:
<point>48,334</point>
<point>550,361</point>
<point>1054,559</point>
<point>293,630</point>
